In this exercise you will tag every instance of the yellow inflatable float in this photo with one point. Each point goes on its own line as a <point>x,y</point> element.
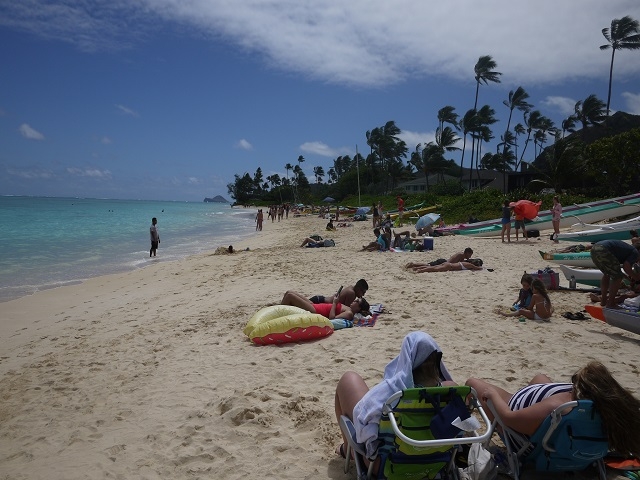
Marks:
<point>285,323</point>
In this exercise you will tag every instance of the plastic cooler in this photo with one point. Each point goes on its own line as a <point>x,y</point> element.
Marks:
<point>428,243</point>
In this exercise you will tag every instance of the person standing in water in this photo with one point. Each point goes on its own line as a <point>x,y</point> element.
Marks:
<point>155,237</point>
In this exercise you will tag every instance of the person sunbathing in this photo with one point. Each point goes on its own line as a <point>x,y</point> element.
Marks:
<point>540,307</point>
<point>525,410</point>
<point>455,258</point>
<point>330,310</point>
<point>347,294</point>
<point>472,264</point>
<point>419,363</point>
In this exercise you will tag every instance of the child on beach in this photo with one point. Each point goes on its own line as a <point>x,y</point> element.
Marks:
<point>525,294</point>
<point>540,307</point>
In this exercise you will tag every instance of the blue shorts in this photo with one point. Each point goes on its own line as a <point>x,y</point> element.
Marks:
<point>505,221</point>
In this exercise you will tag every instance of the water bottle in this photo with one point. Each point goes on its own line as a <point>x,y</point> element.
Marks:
<point>572,283</point>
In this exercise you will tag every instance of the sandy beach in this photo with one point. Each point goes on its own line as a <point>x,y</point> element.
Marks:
<point>147,374</point>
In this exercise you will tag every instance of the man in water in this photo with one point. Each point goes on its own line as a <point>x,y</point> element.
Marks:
<point>155,237</point>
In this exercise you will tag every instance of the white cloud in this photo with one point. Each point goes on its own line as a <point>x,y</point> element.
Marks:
<point>105,141</point>
<point>28,132</point>
<point>30,173</point>
<point>633,102</point>
<point>244,145</point>
<point>324,150</point>
<point>89,172</point>
<point>360,42</point>
<point>414,138</point>
<point>193,181</point>
<point>127,110</point>
<point>564,105</point>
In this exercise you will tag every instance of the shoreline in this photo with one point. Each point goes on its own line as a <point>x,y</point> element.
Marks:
<point>119,248</point>
<point>147,373</point>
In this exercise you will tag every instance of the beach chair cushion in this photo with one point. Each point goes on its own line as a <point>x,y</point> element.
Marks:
<point>416,413</point>
<point>577,442</point>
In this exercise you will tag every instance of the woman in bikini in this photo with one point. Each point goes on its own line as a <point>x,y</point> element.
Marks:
<point>471,264</point>
<point>329,310</point>
<point>540,307</point>
<point>525,410</point>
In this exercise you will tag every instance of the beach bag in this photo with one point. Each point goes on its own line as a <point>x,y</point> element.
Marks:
<point>550,278</point>
<point>329,243</point>
<point>533,233</point>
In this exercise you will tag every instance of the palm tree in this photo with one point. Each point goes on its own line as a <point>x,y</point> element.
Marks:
<point>591,111</point>
<point>468,124</point>
<point>447,115</point>
<point>485,74</point>
<point>531,121</point>
<point>318,172</point>
<point>568,125</point>
<point>517,99</point>
<point>624,34</point>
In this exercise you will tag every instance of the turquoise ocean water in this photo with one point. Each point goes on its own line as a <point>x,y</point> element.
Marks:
<point>50,242</point>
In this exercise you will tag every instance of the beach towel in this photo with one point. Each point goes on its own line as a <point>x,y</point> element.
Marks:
<point>398,375</point>
<point>360,320</point>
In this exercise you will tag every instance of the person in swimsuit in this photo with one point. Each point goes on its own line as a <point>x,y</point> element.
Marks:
<point>556,214</point>
<point>525,410</point>
<point>330,310</point>
<point>471,264</point>
<point>455,258</point>
<point>525,294</point>
<point>347,294</point>
<point>540,307</point>
<point>379,245</point>
<point>608,255</point>
<point>506,221</point>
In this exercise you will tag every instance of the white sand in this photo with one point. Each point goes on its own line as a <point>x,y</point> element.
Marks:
<point>147,374</point>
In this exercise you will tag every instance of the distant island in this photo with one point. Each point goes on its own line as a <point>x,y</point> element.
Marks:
<point>217,199</point>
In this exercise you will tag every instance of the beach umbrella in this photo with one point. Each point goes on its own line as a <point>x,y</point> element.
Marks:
<point>329,199</point>
<point>363,210</point>
<point>526,208</point>
<point>426,220</point>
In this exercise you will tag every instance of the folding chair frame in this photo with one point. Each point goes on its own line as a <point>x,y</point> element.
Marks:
<point>359,453</point>
<point>517,458</point>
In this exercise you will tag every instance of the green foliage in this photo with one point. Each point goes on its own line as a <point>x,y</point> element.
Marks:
<point>615,161</point>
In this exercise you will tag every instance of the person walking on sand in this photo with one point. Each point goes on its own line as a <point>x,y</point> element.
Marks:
<point>400,209</point>
<point>506,221</point>
<point>155,237</point>
<point>556,213</point>
<point>259,220</point>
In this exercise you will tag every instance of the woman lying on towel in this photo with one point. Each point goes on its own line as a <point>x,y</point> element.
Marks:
<point>329,310</point>
<point>419,363</point>
<point>525,410</point>
<point>471,264</point>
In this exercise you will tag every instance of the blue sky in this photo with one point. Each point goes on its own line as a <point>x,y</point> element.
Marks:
<point>168,99</point>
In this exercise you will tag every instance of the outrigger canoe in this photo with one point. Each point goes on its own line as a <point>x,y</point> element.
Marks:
<point>609,231</point>
<point>622,318</point>
<point>584,276</point>
<point>415,212</point>
<point>585,213</point>
<point>579,259</point>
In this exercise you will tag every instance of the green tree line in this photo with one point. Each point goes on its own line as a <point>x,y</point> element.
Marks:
<point>568,163</point>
